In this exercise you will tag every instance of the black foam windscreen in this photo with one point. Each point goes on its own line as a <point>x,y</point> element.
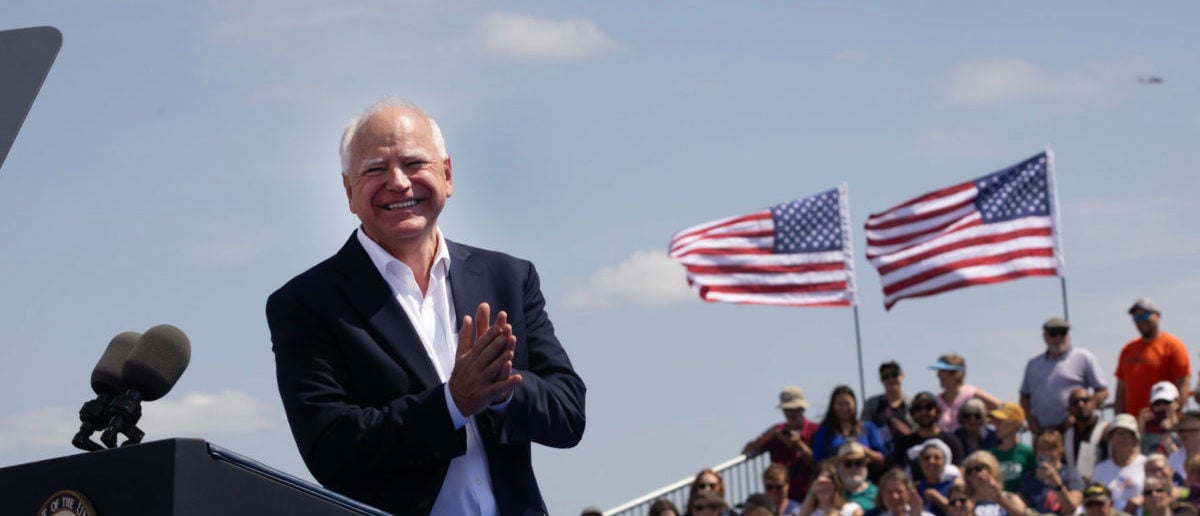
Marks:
<point>106,376</point>
<point>157,361</point>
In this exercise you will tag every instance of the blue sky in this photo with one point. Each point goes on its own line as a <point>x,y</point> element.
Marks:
<point>180,164</point>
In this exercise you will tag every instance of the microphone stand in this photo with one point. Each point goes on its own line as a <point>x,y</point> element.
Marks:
<point>126,410</point>
<point>91,416</point>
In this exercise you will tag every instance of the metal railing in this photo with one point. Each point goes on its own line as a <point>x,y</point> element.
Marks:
<point>741,475</point>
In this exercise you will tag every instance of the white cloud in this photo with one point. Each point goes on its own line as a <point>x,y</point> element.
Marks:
<point>646,278</point>
<point>526,36</point>
<point>196,414</point>
<point>50,427</point>
<point>986,81</point>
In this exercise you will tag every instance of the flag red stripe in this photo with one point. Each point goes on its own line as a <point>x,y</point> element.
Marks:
<point>917,217</point>
<point>945,192</point>
<point>766,214</point>
<point>926,275</point>
<point>732,234</point>
<point>775,289</point>
<point>970,242</point>
<point>919,234</point>
<point>765,269</point>
<point>727,251</point>
<point>976,281</point>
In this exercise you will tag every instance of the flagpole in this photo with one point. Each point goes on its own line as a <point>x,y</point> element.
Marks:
<point>862,386</point>
<point>1066,315</point>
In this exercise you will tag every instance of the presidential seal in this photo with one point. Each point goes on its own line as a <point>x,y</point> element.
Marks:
<point>67,503</point>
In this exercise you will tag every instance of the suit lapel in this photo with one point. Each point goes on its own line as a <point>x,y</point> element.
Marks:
<point>465,285</point>
<point>369,294</point>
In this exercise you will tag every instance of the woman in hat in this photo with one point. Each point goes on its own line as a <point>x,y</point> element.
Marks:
<point>1124,471</point>
<point>952,375</point>
<point>933,458</point>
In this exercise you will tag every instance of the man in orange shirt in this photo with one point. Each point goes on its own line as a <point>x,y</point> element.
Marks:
<point>1154,357</point>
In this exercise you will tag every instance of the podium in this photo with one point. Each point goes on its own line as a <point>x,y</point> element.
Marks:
<point>180,477</point>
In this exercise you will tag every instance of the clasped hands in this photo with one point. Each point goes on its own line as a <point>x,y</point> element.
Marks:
<point>483,365</point>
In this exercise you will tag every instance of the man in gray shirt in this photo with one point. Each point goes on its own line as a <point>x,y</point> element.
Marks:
<point>1050,377</point>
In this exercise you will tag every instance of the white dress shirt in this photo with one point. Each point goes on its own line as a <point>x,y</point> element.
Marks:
<point>467,488</point>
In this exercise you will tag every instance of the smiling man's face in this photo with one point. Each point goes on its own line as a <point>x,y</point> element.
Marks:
<point>398,180</point>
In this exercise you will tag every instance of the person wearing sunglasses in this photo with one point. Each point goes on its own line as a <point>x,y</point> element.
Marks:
<point>775,485</point>
<point>1157,422</point>
<point>1051,375</point>
<point>973,431</point>
<point>852,469</point>
<point>789,442</point>
<point>707,503</point>
<point>826,497</point>
<point>1156,496</point>
<point>889,411</point>
<point>925,412</point>
<point>952,376</point>
<point>982,475</point>
<point>1097,501</point>
<point>1157,467</point>
<point>958,503</point>
<point>1085,437</point>
<point>1153,357</point>
<point>707,480</point>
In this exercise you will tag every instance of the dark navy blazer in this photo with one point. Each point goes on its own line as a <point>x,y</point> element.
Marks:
<point>364,401</point>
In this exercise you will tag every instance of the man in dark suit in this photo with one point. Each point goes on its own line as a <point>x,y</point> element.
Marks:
<point>391,401</point>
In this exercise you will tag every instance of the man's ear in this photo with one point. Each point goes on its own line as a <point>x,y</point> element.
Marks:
<point>346,185</point>
<point>449,177</point>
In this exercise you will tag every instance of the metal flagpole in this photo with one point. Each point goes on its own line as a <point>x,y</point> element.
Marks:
<point>862,386</point>
<point>1066,315</point>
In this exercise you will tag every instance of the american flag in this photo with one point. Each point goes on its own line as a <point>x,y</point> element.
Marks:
<point>996,228</point>
<point>797,253</point>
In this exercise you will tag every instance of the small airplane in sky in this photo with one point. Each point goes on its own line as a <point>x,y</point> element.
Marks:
<point>1150,79</point>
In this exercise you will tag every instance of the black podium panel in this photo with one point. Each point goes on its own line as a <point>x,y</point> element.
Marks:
<point>181,477</point>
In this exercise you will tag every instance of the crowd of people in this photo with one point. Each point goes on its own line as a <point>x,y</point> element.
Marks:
<point>959,452</point>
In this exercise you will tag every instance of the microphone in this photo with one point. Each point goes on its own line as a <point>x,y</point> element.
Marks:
<point>152,368</point>
<point>107,384</point>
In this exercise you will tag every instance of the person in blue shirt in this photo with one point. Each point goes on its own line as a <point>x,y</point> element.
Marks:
<point>841,423</point>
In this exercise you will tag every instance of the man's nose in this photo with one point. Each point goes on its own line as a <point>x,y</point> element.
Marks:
<point>398,180</point>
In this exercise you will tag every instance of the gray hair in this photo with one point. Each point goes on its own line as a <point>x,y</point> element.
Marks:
<point>972,406</point>
<point>356,123</point>
<point>1157,459</point>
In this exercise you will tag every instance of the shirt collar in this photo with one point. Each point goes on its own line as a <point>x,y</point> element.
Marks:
<point>381,258</point>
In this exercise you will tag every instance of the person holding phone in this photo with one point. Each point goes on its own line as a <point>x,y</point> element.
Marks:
<point>790,442</point>
<point>1054,487</point>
